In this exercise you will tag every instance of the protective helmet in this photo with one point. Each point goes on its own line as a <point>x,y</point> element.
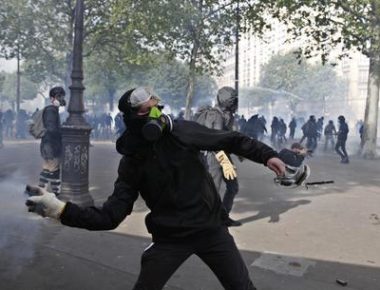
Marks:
<point>152,124</point>
<point>227,99</point>
<point>133,98</point>
<point>294,176</point>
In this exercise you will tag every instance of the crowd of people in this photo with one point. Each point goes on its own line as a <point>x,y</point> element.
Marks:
<point>313,132</point>
<point>15,125</point>
<point>333,135</point>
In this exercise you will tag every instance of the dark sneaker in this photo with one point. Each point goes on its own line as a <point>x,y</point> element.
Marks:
<point>345,161</point>
<point>232,223</point>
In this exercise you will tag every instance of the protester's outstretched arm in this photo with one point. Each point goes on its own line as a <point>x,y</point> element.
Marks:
<point>106,217</point>
<point>203,138</point>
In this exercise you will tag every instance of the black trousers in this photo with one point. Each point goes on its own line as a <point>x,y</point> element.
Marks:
<point>340,148</point>
<point>215,248</point>
<point>232,189</point>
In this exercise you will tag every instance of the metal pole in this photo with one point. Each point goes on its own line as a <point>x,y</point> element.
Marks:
<point>76,131</point>
<point>237,49</point>
<point>18,94</point>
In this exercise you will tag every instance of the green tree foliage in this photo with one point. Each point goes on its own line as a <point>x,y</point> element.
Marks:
<point>196,31</point>
<point>16,27</point>
<point>105,73</point>
<point>54,25</point>
<point>167,77</point>
<point>29,89</point>
<point>16,31</point>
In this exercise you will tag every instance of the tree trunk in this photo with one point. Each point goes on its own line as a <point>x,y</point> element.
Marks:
<point>111,97</point>
<point>18,81</point>
<point>191,80</point>
<point>371,110</point>
<point>69,64</point>
<point>69,53</point>
<point>189,95</point>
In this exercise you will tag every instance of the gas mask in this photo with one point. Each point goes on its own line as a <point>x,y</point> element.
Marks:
<point>156,125</point>
<point>227,99</point>
<point>59,101</point>
<point>150,124</point>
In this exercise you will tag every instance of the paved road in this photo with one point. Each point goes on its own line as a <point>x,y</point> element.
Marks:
<point>290,239</point>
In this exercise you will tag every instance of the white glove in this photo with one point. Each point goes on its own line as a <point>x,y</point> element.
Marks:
<point>45,203</point>
<point>228,168</point>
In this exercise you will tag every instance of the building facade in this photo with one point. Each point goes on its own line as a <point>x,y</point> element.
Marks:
<point>254,52</point>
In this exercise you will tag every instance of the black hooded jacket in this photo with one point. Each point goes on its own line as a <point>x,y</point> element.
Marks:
<point>171,178</point>
<point>51,142</point>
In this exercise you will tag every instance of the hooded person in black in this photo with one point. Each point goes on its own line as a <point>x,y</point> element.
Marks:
<point>340,146</point>
<point>161,162</point>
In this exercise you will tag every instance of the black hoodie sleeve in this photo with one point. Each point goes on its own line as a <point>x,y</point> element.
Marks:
<point>113,211</point>
<point>203,138</point>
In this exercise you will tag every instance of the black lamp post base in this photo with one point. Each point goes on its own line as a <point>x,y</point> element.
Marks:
<point>74,187</point>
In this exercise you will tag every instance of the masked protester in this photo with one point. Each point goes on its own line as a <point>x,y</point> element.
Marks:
<point>219,164</point>
<point>51,141</point>
<point>161,162</point>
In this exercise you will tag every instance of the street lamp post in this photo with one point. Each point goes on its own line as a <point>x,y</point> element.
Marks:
<point>75,130</point>
<point>237,48</point>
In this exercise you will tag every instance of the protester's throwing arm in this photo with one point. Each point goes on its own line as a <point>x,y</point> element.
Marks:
<point>203,138</point>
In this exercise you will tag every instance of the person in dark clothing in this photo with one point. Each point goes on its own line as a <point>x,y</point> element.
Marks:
<point>51,142</point>
<point>181,115</point>
<point>186,214</point>
<point>9,117</point>
<point>262,128</point>
<point>310,132</point>
<point>119,125</point>
<point>320,127</point>
<point>282,132</point>
<point>340,146</point>
<point>330,132</point>
<point>292,128</point>
<point>241,124</point>
<point>275,126</point>
<point>294,156</point>
<point>22,118</point>
<point>361,134</point>
<point>252,127</point>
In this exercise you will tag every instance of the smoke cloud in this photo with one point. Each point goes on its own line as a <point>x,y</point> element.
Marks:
<point>19,229</point>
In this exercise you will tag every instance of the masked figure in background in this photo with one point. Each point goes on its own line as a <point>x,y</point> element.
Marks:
<point>340,146</point>
<point>162,163</point>
<point>219,164</point>
<point>51,141</point>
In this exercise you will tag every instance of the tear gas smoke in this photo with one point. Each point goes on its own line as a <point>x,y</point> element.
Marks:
<point>19,229</point>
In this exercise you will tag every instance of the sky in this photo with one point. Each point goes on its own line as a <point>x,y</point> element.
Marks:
<point>7,65</point>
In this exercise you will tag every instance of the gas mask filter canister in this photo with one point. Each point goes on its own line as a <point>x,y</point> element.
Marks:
<point>156,125</point>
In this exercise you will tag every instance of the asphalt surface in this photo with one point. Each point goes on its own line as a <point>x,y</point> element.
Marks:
<point>290,238</point>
